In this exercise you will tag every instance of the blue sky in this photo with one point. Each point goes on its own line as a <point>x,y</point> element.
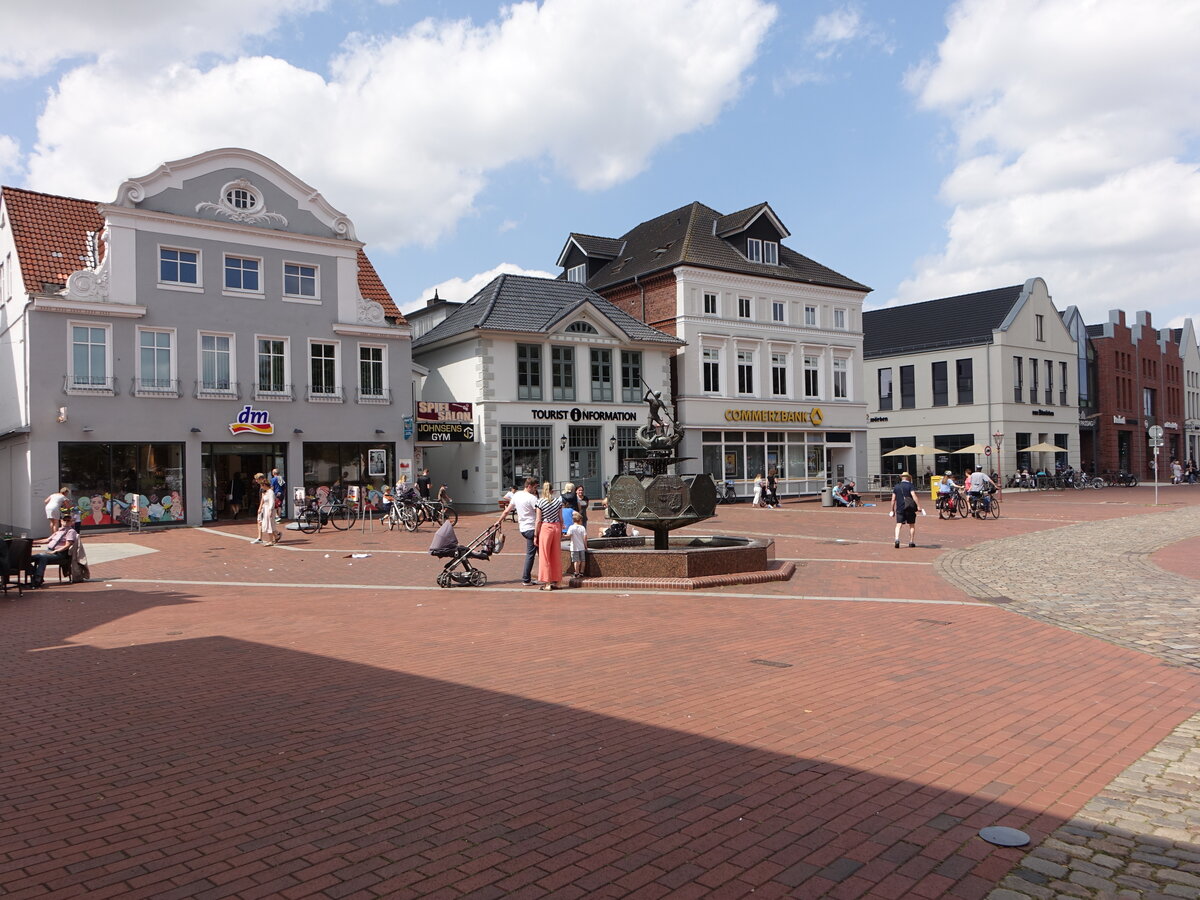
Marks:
<point>925,149</point>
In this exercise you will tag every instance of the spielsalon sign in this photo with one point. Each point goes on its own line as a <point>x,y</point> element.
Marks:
<point>445,423</point>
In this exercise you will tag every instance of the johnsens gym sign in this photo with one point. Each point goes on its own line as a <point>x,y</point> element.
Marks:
<point>441,423</point>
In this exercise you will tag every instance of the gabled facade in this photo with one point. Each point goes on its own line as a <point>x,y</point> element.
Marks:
<point>768,377</point>
<point>551,379</point>
<point>1185,337</point>
<point>1140,378</point>
<point>217,317</point>
<point>953,372</point>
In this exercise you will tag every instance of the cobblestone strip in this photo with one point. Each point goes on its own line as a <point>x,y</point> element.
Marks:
<point>1094,578</point>
<point>1138,838</point>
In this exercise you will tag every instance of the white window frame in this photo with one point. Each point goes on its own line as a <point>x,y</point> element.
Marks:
<point>171,389</point>
<point>754,250</point>
<point>577,274</point>
<point>810,316</point>
<point>334,396</point>
<point>108,386</point>
<point>839,318</point>
<point>778,311</point>
<point>745,308</point>
<point>716,304</point>
<point>261,292</point>
<point>192,287</point>
<point>844,370</point>
<point>805,368</point>
<point>739,363</point>
<point>315,297</point>
<point>203,392</point>
<point>287,392</point>
<point>710,355</point>
<point>780,360</point>
<point>385,396</point>
<point>771,253</point>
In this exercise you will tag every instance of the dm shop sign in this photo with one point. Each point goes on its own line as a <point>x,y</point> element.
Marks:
<point>575,414</point>
<point>812,416</point>
<point>252,421</point>
<point>443,423</point>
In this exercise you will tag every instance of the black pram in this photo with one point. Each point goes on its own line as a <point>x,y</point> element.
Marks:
<point>446,546</point>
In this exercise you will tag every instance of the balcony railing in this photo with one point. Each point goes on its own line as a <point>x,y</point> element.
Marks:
<point>231,390</point>
<point>383,397</point>
<point>154,387</point>
<point>278,392</point>
<point>90,385</point>
<point>322,394</point>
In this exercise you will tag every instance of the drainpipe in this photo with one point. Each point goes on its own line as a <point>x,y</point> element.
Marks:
<point>641,288</point>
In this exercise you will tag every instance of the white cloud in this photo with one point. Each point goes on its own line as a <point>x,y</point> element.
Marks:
<point>507,225</point>
<point>10,157</point>
<point>462,289</point>
<point>137,33</point>
<point>1076,125</point>
<point>835,30</point>
<point>406,129</point>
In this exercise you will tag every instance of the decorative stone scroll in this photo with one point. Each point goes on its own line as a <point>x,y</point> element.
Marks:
<point>370,312</point>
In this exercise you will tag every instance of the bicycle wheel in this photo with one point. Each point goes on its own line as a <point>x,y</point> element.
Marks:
<point>309,521</point>
<point>963,507</point>
<point>941,508</point>
<point>447,514</point>
<point>994,508</point>
<point>410,518</point>
<point>340,517</point>
<point>1132,482</point>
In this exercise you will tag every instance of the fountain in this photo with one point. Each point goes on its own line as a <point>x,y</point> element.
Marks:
<point>660,501</point>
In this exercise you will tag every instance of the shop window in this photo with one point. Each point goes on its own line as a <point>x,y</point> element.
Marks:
<point>525,453</point>
<point>114,484</point>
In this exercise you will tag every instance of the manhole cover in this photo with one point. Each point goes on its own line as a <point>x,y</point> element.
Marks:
<point>772,663</point>
<point>1004,837</point>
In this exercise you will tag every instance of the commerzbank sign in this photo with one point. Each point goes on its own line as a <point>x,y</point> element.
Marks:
<point>812,416</point>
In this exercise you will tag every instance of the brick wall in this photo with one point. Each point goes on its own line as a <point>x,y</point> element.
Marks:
<point>658,294</point>
<point>1124,369</point>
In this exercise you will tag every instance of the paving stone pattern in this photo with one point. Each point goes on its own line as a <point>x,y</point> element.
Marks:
<point>1094,578</point>
<point>1140,837</point>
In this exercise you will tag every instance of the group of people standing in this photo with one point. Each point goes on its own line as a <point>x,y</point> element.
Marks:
<point>270,507</point>
<point>540,522</point>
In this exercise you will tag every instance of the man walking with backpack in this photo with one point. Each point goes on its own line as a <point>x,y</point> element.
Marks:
<point>905,507</point>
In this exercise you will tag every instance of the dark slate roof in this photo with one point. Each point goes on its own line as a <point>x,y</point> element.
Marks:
<point>687,236</point>
<point>948,322</point>
<point>598,247</point>
<point>521,303</point>
<point>735,222</point>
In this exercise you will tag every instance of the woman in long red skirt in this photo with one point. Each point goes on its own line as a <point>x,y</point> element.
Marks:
<point>547,525</point>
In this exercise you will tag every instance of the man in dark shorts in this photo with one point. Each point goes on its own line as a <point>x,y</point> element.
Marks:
<point>906,506</point>
<point>424,483</point>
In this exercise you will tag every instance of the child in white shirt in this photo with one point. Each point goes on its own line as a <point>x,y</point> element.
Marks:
<point>578,537</point>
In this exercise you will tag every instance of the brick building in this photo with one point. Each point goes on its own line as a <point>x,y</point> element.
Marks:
<point>1138,383</point>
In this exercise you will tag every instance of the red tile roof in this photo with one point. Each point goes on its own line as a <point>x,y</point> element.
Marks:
<point>50,234</point>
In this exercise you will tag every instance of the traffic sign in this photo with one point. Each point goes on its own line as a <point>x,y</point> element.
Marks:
<point>987,451</point>
<point>1156,442</point>
<point>1156,433</point>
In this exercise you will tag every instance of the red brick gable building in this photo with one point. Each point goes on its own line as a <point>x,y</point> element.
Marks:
<point>1139,383</point>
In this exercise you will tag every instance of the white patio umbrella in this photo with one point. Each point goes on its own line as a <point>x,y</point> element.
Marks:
<point>1043,447</point>
<point>921,450</point>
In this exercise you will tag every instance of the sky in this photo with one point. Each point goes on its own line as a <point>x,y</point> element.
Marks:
<point>926,149</point>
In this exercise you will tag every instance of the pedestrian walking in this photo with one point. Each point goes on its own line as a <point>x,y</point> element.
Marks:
<point>277,485</point>
<point>760,485</point>
<point>266,513</point>
<point>548,524</point>
<point>425,484</point>
<point>524,505</point>
<point>906,505</point>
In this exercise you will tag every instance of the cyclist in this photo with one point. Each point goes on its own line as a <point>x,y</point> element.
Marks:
<point>946,489</point>
<point>975,487</point>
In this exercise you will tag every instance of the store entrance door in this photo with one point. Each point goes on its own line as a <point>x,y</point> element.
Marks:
<point>221,466</point>
<point>585,458</point>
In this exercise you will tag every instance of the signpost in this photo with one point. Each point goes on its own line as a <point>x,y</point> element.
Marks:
<point>1156,441</point>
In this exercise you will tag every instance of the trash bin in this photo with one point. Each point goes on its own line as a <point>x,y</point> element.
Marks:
<point>827,496</point>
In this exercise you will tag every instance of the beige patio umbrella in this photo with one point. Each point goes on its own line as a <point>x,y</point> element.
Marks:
<point>921,450</point>
<point>974,448</point>
<point>1043,447</point>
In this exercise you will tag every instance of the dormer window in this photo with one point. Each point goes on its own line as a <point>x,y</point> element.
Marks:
<point>770,253</point>
<point>754,250</point>
<point>581,328</point>
<point>578,273</point>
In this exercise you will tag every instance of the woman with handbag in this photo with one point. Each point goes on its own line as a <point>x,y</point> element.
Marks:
<point>547,525</point>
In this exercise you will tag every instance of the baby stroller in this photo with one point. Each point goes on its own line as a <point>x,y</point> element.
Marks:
<point>446,546</point>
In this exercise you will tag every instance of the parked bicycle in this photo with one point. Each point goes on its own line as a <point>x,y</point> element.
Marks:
<point>1082,481</point>
<point>1121,479</point>
<point>334,511</point>
<point>726,493</point>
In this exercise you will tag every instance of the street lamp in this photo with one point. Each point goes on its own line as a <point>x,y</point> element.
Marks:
<point>998,440</point>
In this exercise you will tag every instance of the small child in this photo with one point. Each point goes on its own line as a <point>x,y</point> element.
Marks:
<point>578,537</point>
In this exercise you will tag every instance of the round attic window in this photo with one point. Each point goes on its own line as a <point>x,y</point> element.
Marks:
<point>581,328</point>
<point>241,196</point>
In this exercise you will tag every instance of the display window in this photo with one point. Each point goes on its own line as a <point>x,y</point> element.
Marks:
<point>116,484</point>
